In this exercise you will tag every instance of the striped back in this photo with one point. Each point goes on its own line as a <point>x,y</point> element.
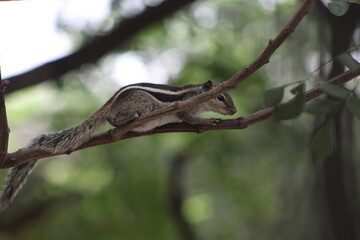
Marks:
<point>164,93</point>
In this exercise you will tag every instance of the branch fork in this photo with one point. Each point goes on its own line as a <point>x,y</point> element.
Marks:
<point>25,155</point>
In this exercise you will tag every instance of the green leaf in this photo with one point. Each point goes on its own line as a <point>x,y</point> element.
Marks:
<point>323,143</point>
<point>353,104</point>
<point>354,1</point>
<point>321,106</point>
<point>335,91</point>
<point>349,62</point>
<point>338,8</point>
<point>292,109</point>
<point>273,96</point>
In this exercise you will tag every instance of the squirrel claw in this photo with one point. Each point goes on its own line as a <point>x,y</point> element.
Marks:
<point>214,121</point>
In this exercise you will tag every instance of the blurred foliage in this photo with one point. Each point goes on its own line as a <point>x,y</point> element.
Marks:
<point>250,184</point>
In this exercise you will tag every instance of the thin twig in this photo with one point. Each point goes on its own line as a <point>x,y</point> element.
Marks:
<point>228,84</point>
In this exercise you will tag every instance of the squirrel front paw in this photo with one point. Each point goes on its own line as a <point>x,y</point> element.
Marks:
<point>202,121</point>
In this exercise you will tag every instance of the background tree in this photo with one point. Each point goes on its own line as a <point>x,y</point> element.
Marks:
<point>337,179</point>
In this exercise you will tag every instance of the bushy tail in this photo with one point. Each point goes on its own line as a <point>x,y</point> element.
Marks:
<point>57,142</point>
<point>71,138</point>
<point>14,182</point>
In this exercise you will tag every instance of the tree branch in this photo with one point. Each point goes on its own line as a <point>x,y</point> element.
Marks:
<point>4,128</point>
<point>26,155</point>
<point>98,47</point>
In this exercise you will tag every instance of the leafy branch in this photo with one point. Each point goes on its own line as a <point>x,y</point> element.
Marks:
<point>27,154</point>
<point>24,155</point>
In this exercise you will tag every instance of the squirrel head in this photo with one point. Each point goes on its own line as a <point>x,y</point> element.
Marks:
<point>222,104</point>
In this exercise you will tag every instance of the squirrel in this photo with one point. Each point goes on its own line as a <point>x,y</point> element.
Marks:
<point>126,105</point>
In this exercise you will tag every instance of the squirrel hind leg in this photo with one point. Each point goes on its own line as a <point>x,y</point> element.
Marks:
<point>120,119</point>
<point>137,104</point>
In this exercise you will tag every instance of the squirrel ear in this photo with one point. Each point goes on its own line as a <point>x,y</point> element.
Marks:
<point>208,85</point>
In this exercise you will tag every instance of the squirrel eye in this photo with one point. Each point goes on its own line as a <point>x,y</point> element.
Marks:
<point>221,98</point>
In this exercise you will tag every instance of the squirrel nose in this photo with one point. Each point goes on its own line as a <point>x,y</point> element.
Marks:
<point>232,111</point>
